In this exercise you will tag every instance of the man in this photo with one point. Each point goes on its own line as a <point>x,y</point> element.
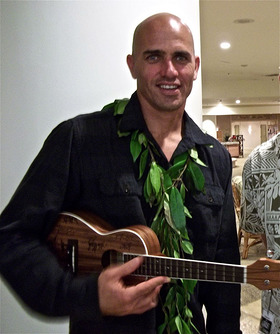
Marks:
<point>85,165</point>
<point>260,215</point>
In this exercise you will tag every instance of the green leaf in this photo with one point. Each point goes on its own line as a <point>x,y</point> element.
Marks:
<point>180,301</point>
<point>156,224</point>
<point>154,174</point>
<point>167,212</point>
<point>189,285</point>
<point>183,192</point>
<point>187,212</point>
<point>200,162</point>
<point>177,209</point>
<point>196,175</point>
<point>186,328</point>
<point>159,212</point>
<point>176,254</point>
<point>123,134</point>
<point>181,157</point>
<point>194,156</point>
<point>167,182</point>
<point>108,106</point>
<point>135,147</point>
<point>172,325</point>
<point>161,328</point>
<point>175,170</point>
<point>178,323</point>
<point>188,312</point>
<point>147,188</point>
<point>142,139</point>
<point>175,244</point>
<point>187,246</point>
<point>193,153</point>
<point>119,106</point>
<point>170,295</point>
<point>143,162</point>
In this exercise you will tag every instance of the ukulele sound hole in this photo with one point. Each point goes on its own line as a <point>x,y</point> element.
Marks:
<point>111,257</point>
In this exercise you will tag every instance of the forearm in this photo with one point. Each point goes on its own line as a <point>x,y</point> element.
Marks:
<point>33,272</point>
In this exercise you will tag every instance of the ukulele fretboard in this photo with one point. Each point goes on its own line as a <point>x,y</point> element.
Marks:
<point>189,269</point>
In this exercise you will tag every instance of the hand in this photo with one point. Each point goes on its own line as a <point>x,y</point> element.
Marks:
<point>118,299</point>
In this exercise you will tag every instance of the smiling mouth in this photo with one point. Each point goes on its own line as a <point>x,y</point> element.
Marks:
<point>169,87</point>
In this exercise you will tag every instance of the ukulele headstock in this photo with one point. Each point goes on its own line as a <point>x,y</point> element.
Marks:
<point>264,274</point>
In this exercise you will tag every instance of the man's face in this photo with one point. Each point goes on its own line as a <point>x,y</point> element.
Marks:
<point>164,65</point>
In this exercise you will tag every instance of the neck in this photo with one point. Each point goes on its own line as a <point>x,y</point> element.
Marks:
<point>166,128</point>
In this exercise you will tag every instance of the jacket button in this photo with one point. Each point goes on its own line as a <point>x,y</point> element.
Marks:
<point>210,199</point>
<point>126,190</point>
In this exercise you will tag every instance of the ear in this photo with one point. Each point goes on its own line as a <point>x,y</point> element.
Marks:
<point>197,63</point>
<point>130,64</point>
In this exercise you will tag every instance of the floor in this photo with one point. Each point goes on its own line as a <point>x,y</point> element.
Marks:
<point>250,296</point>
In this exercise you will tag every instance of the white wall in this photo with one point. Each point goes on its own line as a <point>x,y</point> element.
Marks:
<point>251,131</point>
<point>60,59</point>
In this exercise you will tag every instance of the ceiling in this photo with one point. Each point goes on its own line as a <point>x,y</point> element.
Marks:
<point>249,69</point>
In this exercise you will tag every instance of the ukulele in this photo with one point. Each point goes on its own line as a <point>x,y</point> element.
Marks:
<point>85,243</point>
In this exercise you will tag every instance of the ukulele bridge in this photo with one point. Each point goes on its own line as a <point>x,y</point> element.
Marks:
<point>72,255</point>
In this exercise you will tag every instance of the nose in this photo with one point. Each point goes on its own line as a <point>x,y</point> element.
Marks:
<point>168,69</point>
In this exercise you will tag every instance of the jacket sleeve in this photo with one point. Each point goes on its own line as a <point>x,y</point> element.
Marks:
<point>50,186</point>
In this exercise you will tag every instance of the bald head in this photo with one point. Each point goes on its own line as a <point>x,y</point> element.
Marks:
<point>163,63</point>
<point>162,22</point>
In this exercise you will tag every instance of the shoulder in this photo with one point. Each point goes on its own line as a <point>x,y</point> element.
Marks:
<point>218,152</point>
<point>90,122</point>
<point>201,138</point>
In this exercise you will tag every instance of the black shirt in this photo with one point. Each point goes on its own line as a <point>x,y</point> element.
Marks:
<point>84,165</point>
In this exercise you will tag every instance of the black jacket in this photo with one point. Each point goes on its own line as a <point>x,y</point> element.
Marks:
<point>85,165</point>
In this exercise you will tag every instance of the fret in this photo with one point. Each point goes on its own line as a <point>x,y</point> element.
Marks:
<point>187,271</point>
<point>191,271</point>
<point>214,272</point>
<point>148,264</point>
<point>184,269</point>
<point>205,272</point>
<point>168,264</point>
<point>158,267</point>
<point>195,270</point>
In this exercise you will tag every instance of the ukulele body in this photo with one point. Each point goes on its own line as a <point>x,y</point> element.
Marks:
<point>81,241</point>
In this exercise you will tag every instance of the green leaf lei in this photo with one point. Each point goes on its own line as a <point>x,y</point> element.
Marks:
<point>166,190</point>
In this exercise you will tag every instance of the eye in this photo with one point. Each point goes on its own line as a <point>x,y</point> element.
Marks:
<point>152,58</point>
<point>183,58</point>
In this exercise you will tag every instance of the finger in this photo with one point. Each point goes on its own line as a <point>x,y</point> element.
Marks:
<point>127,268</point>
<point>147,302</point>
<point>148,287</point>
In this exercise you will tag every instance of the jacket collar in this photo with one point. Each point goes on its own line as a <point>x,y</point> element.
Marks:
<point>133,119</point>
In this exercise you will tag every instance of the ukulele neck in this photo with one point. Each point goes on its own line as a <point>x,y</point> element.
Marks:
<point>187,269</point>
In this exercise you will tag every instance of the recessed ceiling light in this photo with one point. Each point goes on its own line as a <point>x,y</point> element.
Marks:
<point>225,45</point>
<point>237,101</point>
